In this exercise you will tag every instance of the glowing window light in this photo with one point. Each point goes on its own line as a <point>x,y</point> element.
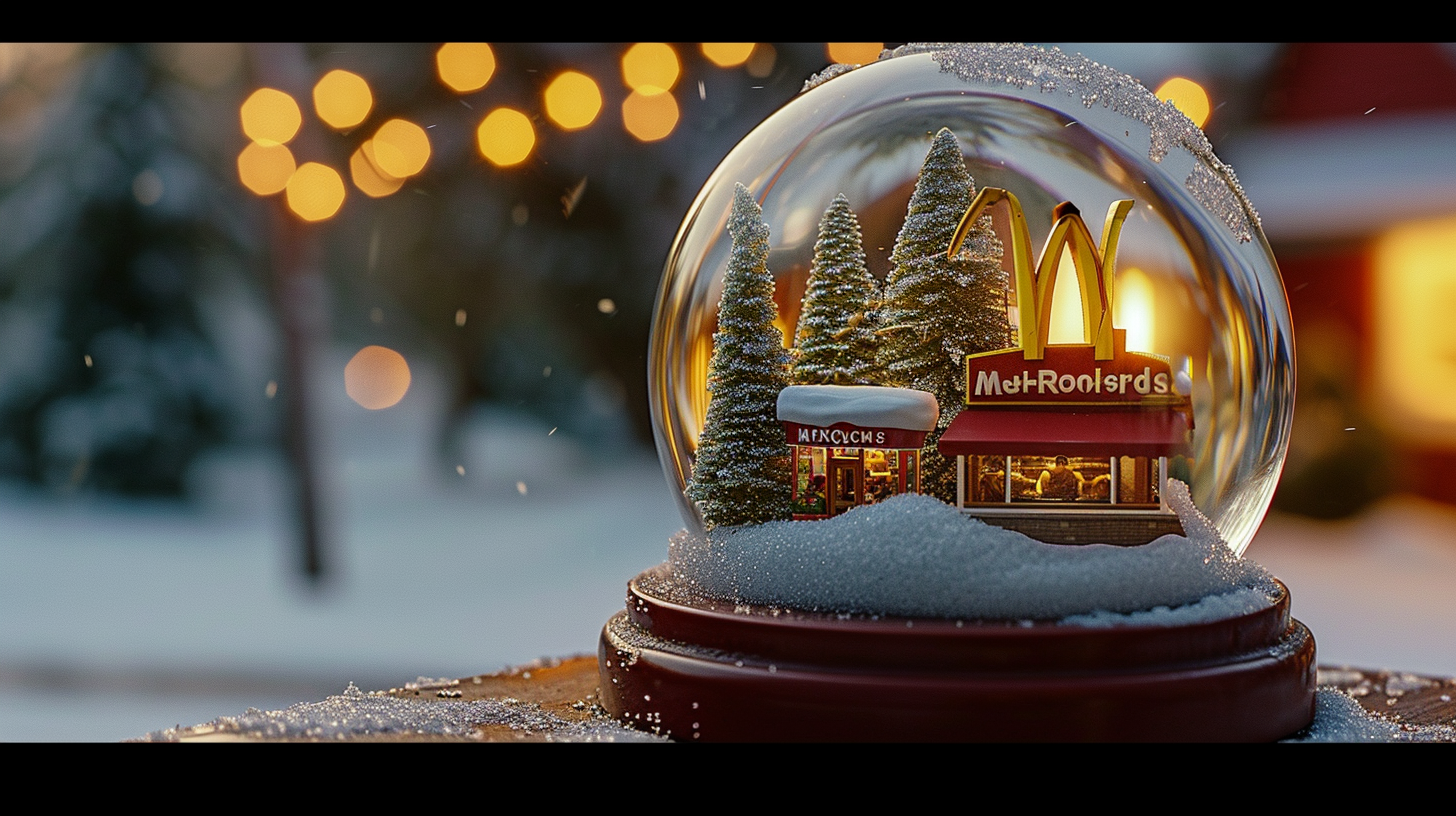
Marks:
<point>649,116</point>
<point>465,67</point>
<point>650,65</point>
<point>367,176</point>
<point>505,137</point>
<point>1133,308</point>
<point>1187,96</point>
<point>377,377</point>
<point>271,117</point>
<point>1413,286</point>
<point>573,100</point>
<point>315,191</point>
<point>401,148</point>
<point>342,99</point>
<point>727,55</point>
<point>1066,317</point>
<point>265,169</point>
<point>854,53</point>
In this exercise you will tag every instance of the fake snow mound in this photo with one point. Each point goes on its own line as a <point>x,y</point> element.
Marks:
<point>916,556</point>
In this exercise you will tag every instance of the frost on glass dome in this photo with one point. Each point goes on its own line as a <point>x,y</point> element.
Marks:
<point>1195,280</point>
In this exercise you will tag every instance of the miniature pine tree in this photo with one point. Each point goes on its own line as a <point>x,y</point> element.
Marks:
<point>836,342</point>
<point>742,470</point>
<point>937,309</point>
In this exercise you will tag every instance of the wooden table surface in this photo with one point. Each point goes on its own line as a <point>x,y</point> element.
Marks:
<point>565,692</point>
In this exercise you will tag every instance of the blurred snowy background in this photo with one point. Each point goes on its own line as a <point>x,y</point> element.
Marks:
<point>197,516</point>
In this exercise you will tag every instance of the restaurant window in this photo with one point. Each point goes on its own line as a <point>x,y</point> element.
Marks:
<point>1087,481</point>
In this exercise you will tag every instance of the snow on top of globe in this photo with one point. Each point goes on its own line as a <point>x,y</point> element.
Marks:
<point>1052,71</point>
<point>913,555</point>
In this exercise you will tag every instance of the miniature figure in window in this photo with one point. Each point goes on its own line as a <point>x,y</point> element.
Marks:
<point>1059,481</point>
<point>814,496</point>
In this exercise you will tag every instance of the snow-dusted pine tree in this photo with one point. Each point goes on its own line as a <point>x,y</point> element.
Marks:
<point>836,342</point>
<point>742,470</point>
<point>938,310</point>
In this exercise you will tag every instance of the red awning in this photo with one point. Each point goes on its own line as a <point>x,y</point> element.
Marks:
<point>1042,432</point>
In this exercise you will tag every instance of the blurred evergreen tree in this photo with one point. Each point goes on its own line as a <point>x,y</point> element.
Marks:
<point>109,378</point>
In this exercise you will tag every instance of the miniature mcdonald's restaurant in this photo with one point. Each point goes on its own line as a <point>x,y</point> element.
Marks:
<point>1069,443</point>
<point>853,444</point>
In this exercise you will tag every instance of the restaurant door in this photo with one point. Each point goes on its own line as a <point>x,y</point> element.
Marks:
<point>847,477</point>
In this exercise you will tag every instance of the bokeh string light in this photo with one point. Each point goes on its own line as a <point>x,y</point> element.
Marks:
<point>465,67</point>
<point>505,137</point>
<point>270,117</point>
<point>1187,96</point>
<point>401,148</point>
<point>573,100</point>
<point>651,65</point>
<point>853,53</point>
<point>342,99</point>
<point>727,55</point>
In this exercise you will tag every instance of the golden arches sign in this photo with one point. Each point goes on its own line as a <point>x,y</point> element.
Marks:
<point>1034,285</point>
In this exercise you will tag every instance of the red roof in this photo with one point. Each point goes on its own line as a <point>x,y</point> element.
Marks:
<point>1039,432</point>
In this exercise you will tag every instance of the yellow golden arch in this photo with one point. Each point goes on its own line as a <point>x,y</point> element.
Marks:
<point>1094,270</point>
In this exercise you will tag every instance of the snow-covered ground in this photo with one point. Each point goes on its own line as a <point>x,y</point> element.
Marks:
<point>121,618</point>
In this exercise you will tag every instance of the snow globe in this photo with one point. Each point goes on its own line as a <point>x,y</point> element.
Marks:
<point>956,459</point>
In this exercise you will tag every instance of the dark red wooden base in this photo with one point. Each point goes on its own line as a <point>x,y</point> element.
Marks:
<point>703,671</point>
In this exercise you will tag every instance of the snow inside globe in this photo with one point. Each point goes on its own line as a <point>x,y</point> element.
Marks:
<point>1108,333</point>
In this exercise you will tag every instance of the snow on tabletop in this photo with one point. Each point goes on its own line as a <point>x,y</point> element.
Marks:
<point>913,555</point>
<point>868,406</point>
<point>355,714</point>
<point>1339,717</point>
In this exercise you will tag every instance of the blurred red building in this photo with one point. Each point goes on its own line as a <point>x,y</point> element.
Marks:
<point>1351,161</point>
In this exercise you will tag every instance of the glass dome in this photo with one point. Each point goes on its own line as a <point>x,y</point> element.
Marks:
<point>1195,278</point>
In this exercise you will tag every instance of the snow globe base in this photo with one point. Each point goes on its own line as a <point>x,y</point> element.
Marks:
<point>700,671</point>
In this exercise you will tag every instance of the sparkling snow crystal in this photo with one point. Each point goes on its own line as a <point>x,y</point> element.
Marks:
<point>1051,71</point>
<point>913,555</point>
<point>354,714</point>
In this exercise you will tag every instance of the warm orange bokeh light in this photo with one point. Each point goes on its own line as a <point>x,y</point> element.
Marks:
<point>727,55</point>
<point>1413,278</point>
<point>505,137</point>
<point>315,191</point>
<point>854,53</point>
<point>1066,320</point>
<point>377,377</point>
<point>370,180</point>
<point>1134,308</point>
<point>265,169</point>
<point>465,67</point>
<point>1187,96</point>
<point>652,65</point>
<point>342,99</point>
<point>401,148</point>
<point>649,116</point>
<point>573,100</point>
<point>271,117</point>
